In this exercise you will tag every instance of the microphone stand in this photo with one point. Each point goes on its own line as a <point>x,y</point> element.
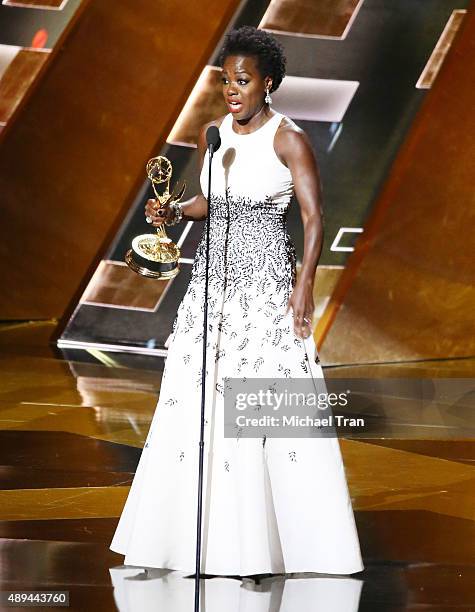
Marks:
<point>203,391</point>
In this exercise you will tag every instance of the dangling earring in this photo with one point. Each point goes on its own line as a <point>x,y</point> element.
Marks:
<point>267,99</point>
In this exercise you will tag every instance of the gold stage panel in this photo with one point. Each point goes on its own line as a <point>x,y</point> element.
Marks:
<point>204,104</point>
<point>385,478</point>
<point>38,4</point>
<point>80,502</point>
<point>115,284</point>
<point>94,400</point>
<point>28,337</point>
<point>326,18</point>
<point>17,78</point>
<point>447,368</point>
<point>441,49</point>
<point>100,423</point>
<point>326,279</point>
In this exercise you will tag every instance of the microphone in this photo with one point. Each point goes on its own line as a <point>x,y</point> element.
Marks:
<point>213,139</point>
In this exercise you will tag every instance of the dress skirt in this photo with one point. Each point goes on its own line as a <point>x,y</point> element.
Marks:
<point>277,505</point>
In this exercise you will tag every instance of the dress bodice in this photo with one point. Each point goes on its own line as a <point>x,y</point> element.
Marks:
<point>250,197</point>
<point>246,168</point>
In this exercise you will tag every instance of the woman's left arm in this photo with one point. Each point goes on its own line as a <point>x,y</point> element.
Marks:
<point>295,151</point>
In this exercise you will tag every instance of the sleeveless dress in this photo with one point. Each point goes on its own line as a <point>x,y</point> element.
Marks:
<point>275,505</point>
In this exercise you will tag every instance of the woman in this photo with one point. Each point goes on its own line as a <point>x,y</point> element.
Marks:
<point>270,505</point>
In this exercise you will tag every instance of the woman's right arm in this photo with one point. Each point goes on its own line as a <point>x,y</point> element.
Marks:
<point>194,209</point>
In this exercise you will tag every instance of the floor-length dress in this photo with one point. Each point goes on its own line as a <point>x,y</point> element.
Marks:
<point>270,505</point>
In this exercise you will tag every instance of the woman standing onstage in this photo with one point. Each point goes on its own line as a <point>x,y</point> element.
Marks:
<point>275,505</point>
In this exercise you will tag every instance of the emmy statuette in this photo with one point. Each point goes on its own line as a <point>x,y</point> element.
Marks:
<point>155,255</point>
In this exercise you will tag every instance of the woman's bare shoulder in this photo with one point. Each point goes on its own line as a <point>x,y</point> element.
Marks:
<point>289,130</point>
<point>291,141</point>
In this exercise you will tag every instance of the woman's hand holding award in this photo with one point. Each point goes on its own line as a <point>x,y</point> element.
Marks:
<point>155,255</point>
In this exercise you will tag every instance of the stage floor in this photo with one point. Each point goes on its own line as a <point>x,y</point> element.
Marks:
<point>71,432</point>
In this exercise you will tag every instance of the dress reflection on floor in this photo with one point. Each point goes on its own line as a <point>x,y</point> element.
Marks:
<point>161,589</point>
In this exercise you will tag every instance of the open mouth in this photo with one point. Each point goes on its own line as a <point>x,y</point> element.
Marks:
<point>234,106</point>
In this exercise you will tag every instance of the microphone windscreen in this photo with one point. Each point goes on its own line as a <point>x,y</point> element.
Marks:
<point>213,138</point>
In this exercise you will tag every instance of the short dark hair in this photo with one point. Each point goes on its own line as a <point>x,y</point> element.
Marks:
<point>268,52</point>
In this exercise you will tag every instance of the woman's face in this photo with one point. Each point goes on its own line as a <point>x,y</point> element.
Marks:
<point>243,86</point>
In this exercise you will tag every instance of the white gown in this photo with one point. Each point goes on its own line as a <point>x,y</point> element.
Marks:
<point>274,505</point>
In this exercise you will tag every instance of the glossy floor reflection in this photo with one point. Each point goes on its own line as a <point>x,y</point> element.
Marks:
<point>163,590</point>
<point>71,433</point>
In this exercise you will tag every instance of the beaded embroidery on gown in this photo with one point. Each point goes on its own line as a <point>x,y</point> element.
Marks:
<point>270,505</point>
